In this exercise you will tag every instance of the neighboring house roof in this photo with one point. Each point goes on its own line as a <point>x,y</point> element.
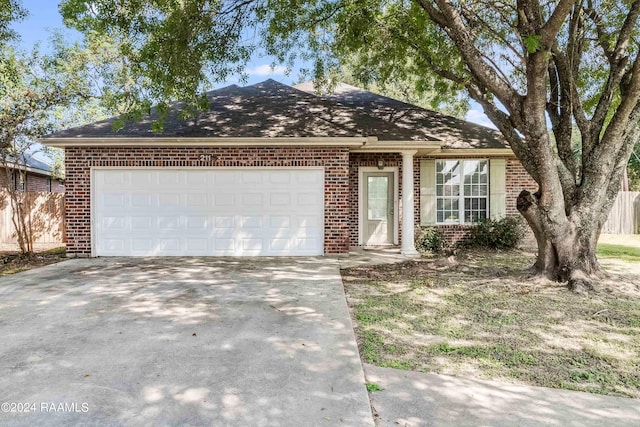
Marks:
<point>275,110</point>
<point>32,164</point>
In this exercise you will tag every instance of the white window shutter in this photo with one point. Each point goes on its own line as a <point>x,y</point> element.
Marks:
<point>497,188</point>
<point>427,192</point>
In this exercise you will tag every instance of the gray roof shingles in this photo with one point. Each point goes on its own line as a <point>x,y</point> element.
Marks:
<point>271,109</point>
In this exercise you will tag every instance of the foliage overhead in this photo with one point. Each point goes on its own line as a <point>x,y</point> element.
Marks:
<point>10,11</point>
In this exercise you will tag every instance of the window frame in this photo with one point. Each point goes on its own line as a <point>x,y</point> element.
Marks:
<point>461,196</point>
<point>19,181</point>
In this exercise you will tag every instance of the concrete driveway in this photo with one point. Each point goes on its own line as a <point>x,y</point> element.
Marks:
<point>180,341</point>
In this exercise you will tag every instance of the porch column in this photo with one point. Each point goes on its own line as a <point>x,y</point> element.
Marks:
<point>408,244</point>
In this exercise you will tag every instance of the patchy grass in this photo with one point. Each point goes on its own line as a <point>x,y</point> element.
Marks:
<point>15,262</point>
<point>479,315</point>
<point>372,387</point>
<point>625,253</point>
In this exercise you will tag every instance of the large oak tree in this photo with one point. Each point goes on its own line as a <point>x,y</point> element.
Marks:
<point>568,65</point>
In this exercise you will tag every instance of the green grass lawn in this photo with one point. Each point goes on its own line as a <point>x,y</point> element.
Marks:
<point>480,316</point>
<point>625,253</point>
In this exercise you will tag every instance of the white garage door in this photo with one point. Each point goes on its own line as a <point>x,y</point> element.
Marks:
<point>240,212</point>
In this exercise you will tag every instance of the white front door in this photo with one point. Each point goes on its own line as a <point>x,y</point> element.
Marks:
<point>226,211</point>
<point>378,212</point>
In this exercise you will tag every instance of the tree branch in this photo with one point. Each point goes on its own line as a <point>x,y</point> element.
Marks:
<point>550,29</point>
<point>506,126</point>
<point>450,20</point>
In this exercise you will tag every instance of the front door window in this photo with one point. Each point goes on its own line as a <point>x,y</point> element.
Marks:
<point>378,212</point>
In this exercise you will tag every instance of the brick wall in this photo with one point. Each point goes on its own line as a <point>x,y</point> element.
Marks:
<point>57,186</point>
<point>518,179</point>
<point>78,162</point>
<point>4,179</point>
<point>37,183</point>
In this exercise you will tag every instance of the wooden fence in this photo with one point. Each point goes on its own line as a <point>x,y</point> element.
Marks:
<point>624,217</point>
<point>45,218</point>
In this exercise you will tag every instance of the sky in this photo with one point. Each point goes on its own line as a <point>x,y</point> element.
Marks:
<point>44,17</point>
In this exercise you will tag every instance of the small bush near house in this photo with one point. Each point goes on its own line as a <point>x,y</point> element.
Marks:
<point>430,240</point>
<point>505,233</point>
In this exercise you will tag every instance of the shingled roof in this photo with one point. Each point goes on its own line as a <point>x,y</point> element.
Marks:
<point>271,109</point>
<point>34,165</point>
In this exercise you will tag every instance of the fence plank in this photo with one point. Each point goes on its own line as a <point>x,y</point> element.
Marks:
<point>45,217</point>
<point>624,217</point>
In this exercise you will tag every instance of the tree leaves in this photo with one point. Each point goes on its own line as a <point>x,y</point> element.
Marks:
<point>532,42</point>
<point>10,11</point>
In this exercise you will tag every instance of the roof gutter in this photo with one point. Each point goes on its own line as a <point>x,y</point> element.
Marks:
<point>357,141</point>
<point>25,168</point>
<point>456,152</point>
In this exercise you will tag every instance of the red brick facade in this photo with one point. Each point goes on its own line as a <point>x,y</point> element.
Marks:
<point>518,179</point>
<point>78,163</point>
<point>341,183</point>
<point>57,186</point>
<point>4,179</point>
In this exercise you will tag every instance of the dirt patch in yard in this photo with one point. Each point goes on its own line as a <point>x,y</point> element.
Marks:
<point>479,315</point>
<point>15,262</point>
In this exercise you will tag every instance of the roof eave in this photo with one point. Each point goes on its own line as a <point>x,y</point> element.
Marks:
<point>25,168</point>
<point>453,152</point>
<point>354,141</point>
<point>420,147</point>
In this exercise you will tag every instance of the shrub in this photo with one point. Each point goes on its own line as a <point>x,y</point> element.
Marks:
<point>505,233</point>
<point>430,239</point>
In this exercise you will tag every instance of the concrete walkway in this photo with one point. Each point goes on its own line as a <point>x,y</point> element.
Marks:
<point>180,341</point>
<point>410,399</point>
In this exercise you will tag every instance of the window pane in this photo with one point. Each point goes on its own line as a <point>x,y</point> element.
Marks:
<point>476,189</point>
<point>448,191</point>
<point>377,197</point>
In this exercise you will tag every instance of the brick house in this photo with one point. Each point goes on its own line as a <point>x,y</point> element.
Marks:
<point>30,175</point>
<point>276,170</point>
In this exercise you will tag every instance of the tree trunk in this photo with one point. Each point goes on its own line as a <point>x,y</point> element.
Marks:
<point>566,251</point>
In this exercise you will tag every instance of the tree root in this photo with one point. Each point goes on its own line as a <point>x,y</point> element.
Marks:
<point>580,283</point>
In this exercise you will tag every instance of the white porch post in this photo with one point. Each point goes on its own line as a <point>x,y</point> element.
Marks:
<point>408,245</point>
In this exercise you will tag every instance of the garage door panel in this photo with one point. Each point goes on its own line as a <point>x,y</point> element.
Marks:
<point>279,177</point>
<point>197,245</point>
<point>280,222</point>
<point>225,199</point>
<point>209,212</point>
<point>141,222</point>
<point>251,177</point>
<point>224,178</point>
<point>308,200</point>
<point>197,200</point>
<point>170,179</point>
<point>250,222</point>
<point>308,221</point>
<point>307,244</point>
<point>252,199</point>
<point>197,178</point>
<point>114,223</point>
<point>198,223</point>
